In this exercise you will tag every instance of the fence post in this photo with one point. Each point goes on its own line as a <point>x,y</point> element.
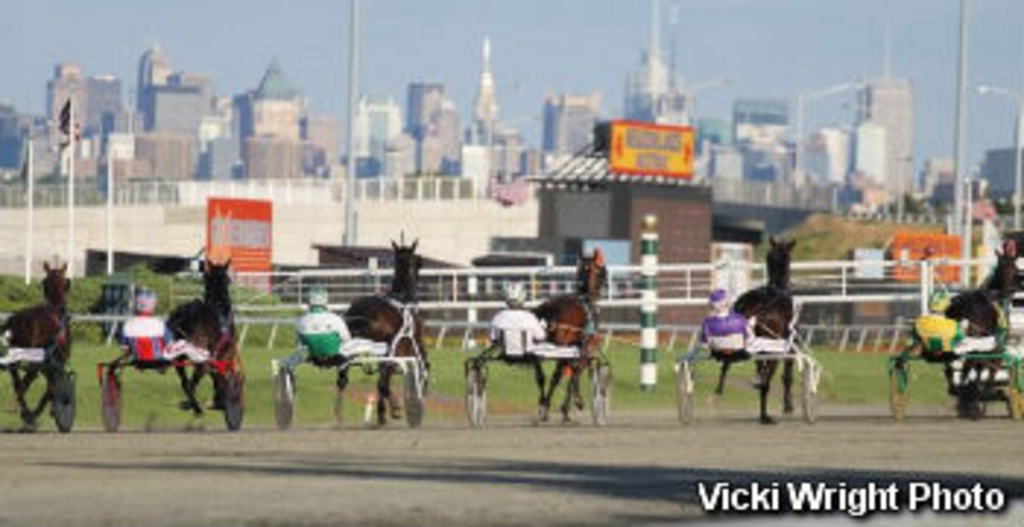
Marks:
<point>926,285</point>
<point>649,304</point>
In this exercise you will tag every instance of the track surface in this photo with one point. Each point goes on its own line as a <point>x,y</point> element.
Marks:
<point>641,469</point>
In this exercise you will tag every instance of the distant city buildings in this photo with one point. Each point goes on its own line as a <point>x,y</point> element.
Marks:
<point>569,121</point>
<point>378,124</point>
<point>652,92</point>
<point>433,122</point>
<point>889,104</point>
<point>827,156</point>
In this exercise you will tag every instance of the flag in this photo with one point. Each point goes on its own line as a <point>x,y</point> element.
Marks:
<point>23,176</point>
<point>64,120</point>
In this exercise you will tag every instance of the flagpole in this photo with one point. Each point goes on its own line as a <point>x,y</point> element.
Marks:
<point>110,213</point>
<point>30,221</point>
<point>71,186</point>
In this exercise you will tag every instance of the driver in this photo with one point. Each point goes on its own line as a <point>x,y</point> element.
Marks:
<point>724,331</point>
<point>320,333</point>
<point>934,331</point>
<point>516,318</point>
<point>144,335</point>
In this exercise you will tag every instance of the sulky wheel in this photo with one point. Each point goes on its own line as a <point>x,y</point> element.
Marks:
<point>414,407</point>
<point>600,388</point>
<point>110,402</point>
<point>684,391</point>
<point>234,399</point>
<point>809,399</point>
<point>476,397</point>
<point>898,380</point>
<point>63,404</point>
<point>284,398</point>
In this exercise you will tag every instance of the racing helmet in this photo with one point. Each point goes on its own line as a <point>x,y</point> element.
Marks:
<point>145,301</point>
<point>939,302</point>
<point>515,294</point>
<point>719,300</point>
<point>318,297</point>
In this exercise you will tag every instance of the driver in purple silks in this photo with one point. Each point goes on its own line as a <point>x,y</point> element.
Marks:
<point>724,331</point>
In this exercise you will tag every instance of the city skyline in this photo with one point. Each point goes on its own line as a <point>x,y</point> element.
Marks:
<point>584,50</point>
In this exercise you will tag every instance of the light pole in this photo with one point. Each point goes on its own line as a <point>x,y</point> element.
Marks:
<point>353,88</point>
<point>961,118</point>
<point>806,97</point>
<point>692,91</point>
<point>1018,139</point>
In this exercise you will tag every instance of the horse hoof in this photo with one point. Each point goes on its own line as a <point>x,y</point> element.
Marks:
<point>788,408</point>
<point>542,415</point>
<point>765,420</point>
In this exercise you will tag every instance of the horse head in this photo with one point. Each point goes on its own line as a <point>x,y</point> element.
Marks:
<point>1003,281</point>
<point>217,283</point>
<point>778,260</point>
<point>56,284</point>
<point>591,274</point>
<point>407,271</point>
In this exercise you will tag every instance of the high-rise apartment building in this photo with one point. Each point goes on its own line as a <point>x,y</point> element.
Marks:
<point>569,121</point>
<point>889,103</point>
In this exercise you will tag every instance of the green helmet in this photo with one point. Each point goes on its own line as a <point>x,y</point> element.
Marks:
<point>939,302</point>
<point>318,297</point>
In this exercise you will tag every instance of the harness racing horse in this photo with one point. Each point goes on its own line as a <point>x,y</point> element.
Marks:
<point>391,319</point>
<point>209,323</point>
<point>984,309</point>
<point>572,320</point>
<point>771,309</point>
<point>45,326</point>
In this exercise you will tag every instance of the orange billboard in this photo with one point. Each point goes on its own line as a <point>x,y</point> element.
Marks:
<point>912,245</point>
<point>240,229</point>
<point>648,149</point>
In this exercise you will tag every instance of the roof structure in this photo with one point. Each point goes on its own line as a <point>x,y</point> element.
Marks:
<point>590,168</point>
<point>274,86</point>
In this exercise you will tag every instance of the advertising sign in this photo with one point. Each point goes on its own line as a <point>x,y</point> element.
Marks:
<point>240,229</point>
<point>647,149</point>
<point>910,245</point>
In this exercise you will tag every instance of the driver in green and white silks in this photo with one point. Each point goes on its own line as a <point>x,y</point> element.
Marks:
<point>320,332</point>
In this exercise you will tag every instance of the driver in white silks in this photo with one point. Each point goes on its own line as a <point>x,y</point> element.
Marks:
<point>515,318</point>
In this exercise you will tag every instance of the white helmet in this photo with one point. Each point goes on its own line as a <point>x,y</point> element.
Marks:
<point>515,295</point>
<point>318,297</point>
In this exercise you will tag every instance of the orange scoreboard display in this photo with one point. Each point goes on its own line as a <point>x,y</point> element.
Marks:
<point>648,149</point>
<point>242,230</point>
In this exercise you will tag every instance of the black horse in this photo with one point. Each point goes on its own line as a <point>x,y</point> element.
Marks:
<point>384,318</point>
<point>209,323</point>
<point>984,309</point>
<point>572,320</point>
<point>771,309</point>
<point>44,326</point>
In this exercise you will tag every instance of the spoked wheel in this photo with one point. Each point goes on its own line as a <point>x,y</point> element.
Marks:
<point>600,388</point>
<point>809,397</point>
<point>110,402</point>
<point>684,391</point>
<point>63,403</point>
<point>898,392</point>
<point>284,398</point>
<point>476,397</point>
<point>234,399</point>
<point>414,407</point>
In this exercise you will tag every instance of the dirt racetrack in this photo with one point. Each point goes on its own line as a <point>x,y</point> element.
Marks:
<point>640,470</point>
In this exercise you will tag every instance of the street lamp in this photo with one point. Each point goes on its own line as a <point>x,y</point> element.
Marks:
<point>1018,139</point>
<point>811,96</point>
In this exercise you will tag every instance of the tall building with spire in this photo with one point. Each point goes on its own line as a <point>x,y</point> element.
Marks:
<point>652,93</point>
<point>485,110</point>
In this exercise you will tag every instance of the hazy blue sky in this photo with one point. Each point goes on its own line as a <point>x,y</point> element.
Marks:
<point>769,47</point>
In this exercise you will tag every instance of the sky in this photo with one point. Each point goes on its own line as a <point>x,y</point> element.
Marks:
<point>766,47</point>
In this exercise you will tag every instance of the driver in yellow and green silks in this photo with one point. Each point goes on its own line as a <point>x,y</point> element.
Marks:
<point>934,331</point>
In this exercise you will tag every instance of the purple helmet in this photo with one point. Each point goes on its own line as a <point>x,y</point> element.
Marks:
<point>719,299</point>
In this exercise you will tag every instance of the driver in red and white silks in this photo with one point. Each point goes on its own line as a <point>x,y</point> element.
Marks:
<point>147,338</point>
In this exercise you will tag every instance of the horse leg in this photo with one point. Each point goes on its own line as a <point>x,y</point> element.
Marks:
<point>556,378</point>
<point>575,382</point>
<point>19,393</point>
<point>766,369</point>
<point>543,404</point>
<point>385,398</point>
<point>787,387</point>
<point>45,398</point>
<point>189,387</point>
<point>21,387</point>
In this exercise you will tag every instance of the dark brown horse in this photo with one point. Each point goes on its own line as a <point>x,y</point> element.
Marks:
<point>771,306</point>
<point>383,318</point>
<point>984,309</point>
<point>208,323</point>
<point>572,320</point>
<point>43,326</point>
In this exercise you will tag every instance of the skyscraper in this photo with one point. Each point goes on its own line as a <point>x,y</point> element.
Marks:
<point>104,103</point>
<point>424,101</point>
<point>154,71</point>
<point>378,124</point>
<point>889,103</point>
<point>652,93</point>
<point>569,122</point>
<point>828,156</point>
<point>67,81</point>
<point>485,111</point>
<point>276,107</point>
<point>760,121</point>
<point>434,122</point>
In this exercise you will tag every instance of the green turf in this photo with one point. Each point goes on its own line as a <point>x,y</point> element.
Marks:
<point>150,399</point>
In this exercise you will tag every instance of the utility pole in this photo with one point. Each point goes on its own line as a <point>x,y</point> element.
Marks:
<point>353,88</point>
<point>961,116</point>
